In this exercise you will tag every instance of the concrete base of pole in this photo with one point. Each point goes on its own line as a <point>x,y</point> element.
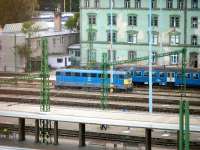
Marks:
<point>81,134</point>
<point>55,132</point>
<point>148,139</point>
<point>21,129</point>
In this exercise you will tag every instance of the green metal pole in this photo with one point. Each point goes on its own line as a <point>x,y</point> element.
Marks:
<point>187,126</point>
<point>45,104</point>
<point>105,81</point>
<point>181,127</point>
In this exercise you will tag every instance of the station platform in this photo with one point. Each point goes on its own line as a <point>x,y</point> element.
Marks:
<point>94,116</point>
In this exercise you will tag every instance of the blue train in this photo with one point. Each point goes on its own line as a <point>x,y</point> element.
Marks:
<point>92,78</point>
<point>165,76</point>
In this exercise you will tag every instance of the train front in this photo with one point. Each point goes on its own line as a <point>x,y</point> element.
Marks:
<point>128,82</point>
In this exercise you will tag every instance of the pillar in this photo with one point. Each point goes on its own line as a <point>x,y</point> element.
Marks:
<point>81,134</point>
<point>21,129</point>
<point>177,141</point>
<point>37,131</point>
<point>148,139</point>
<point>55,132</point>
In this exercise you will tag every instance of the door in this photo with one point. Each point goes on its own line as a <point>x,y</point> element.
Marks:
<point>170,77</point>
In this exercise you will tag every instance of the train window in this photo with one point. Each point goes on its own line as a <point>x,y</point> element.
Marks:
<point>168,74</point>
<point>93,75</point>
<point>138,73</point>
<point>153,74</point>
<point>58,73</point>
<point>187,75</point>
<point>146,73</point>
<point>121,76</point>
<point>77,74</point>
<point>173,74</point>
<point>100,75</point>
<point>162,74</point>
<point>195,76</point>
<point>179,75</point>
<point>84,75</point>
<point>67,73</point>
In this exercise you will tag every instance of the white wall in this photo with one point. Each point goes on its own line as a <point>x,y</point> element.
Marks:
<point>53,61</point>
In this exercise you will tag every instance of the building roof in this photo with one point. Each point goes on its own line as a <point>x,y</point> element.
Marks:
<point>74,46</point>
<point>17,27</point>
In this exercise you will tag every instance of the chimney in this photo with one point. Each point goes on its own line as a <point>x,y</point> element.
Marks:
<point>57,19</point>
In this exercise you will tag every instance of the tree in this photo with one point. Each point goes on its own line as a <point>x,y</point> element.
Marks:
<point>13,11</point>
<point>73,22</point>
<point>28,28</point>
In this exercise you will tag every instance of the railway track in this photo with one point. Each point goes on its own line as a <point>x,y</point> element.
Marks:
<point>129,140</point>
<point>139,102</point>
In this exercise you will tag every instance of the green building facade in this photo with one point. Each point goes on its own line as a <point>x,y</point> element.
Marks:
<point>173,27</point>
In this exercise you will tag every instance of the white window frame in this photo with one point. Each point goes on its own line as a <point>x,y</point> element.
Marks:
<point>132,38</point>
<point>194,41</point>
<point>175,39</point>
<point>155,39</point>
<point>86,3</point>
<point>174,59</point>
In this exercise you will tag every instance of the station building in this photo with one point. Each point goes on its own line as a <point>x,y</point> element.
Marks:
<point>173,28</point>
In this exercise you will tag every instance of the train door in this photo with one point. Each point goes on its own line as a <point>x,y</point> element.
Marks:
<point>170,77</point>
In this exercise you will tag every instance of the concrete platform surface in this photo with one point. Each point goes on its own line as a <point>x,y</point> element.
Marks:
<point>94,116</point>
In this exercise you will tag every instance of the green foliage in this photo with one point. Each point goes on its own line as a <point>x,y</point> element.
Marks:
<point>13,11</point>
<point>29,28</point>
<point>73,22</point>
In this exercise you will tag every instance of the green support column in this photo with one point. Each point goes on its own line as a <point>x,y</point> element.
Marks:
<point>45,125</point>
<point>45,104</point>
<point>105,81</point>
<point>184,115</point>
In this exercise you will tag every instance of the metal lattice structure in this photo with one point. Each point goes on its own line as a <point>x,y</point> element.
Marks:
<point>184,114</point>
<point>45,125</point>
<point>105,81</point>
<point>44,75</point>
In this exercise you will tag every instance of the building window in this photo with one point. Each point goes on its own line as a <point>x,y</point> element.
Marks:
<point>127,3</point>
<point>114,36</point>
<point>132,38</point>
<point>131,55</point>
<point>194,40</point>
<point>155,39</point>
<point>169,4</point>
<point>194,22</point>
<point>174,21</point>
<point>154,3</point>
<point>114,55</point>
<point>92,56</point>
<point>77,53</point>
<point>97,4</point>
<point>132,20</point>
<point>194,4</point>
<point>174,59</point>
<point>59,60</point>
<point>92,19</point>
<point>114,20</point>
<point>180,4</point>
<point>112,3</point>
<point>91,36</point>
<point>154,21</point>
<point>137,3</point>
<point>87,4</point>
<point>174,39</point>
<point>154,58</point>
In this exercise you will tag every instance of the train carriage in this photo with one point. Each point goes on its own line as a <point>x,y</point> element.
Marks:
<point>92,78</point>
